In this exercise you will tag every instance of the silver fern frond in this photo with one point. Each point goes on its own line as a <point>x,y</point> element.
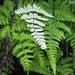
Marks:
<point>33,22</point>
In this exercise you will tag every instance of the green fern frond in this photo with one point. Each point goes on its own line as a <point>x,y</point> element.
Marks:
<point>19,46</point>
<point>63,12</point>
<point>23,37</point>
<point>63,5</point>
<point>39,55</point>
<point>53,36</point>
<point>64,16</point>
<point>5,32</point>
<point>8,4</point>
<point>66,60</point>
<point>47,6</point>
<point>30,2</point>
<point>71,39</point>
<point>23,54</point>
<point>23,49</point>
<point>64,67</point>
<point>26,63</point>
<point>39,69</point>
<point>20,3</point>
<point>3,19</point>
<point>50,2</point>
<point>61,25</point>
<point>5,12</point>
<point>20,25</point>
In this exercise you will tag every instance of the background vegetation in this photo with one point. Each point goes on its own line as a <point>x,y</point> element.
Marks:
<point>19,51</point>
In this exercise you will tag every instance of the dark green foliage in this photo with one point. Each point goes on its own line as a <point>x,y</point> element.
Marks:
<point>64,65</point>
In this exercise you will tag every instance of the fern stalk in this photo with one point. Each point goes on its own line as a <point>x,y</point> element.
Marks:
<point>27,72</point>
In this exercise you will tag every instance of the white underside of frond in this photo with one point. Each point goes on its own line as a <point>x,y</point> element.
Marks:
<point>33,20</point>
<point>25,16</point>
<point>38,35</point>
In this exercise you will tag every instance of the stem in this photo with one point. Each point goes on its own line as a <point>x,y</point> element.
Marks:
<point>28,72</point>
<point>52,26</point>
<point>67,49</point>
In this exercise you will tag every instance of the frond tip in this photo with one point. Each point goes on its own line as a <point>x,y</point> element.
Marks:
<point>30,8</point>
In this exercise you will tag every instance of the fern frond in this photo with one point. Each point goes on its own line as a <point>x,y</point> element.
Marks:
<point>64,16</point>
<point>71,39</point>
<point>30,2</point>
<point>20,3</point>
<point>63,26</point>
<point>5,32</point>
<point>50,2</point>
<point>23,54</point>
<point>23,49</point>
<point>31,9</point>
<point>53,36</point>
<point>39,69</point>
<point>20,25</point>
<point>62,11</point>
<point>23,37</point>
<point>5,18</point>
<point>26,63</point>
<point>39,55</point>
<point>8,4</point>
<point>47,6</point>
<point>31,19</point>
<point>5,11</point>
<point>64,67</point>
